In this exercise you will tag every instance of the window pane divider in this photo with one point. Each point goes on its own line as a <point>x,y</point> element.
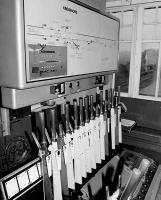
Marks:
<point>137,67</point>
<point>151,41</point>
<point>133,55</point>
<point>148,97</point>
<point>158,71</point>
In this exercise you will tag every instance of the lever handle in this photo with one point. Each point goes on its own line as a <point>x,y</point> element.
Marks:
<point>75,113</point>
<point>118,89</point>
<point>91,108</point>
<point>97,111</point>
<point>112,97</point>
<point>53,114</point>
<point>67,111</point>
<point>101,102</point>
<point>81,111</point>
<point>86,104</point>
<point>42,125</point>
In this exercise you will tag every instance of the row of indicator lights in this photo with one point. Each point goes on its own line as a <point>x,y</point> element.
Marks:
<point>26,178</point>
<point>48,66</point>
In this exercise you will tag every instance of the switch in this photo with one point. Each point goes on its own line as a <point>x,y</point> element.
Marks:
<point>70,85</point>
<point>98,80</point>
<point>77,83</point>
<point>103,79</point>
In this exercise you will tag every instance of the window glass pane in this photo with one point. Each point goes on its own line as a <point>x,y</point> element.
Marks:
<point>126,33</point>
<point>149,32</point>
<point>127,17</point>
<point>149,15</point>
<point>122,76</point>
<point>158,31</point>
<point>159,15</point>
<point>149,64</point>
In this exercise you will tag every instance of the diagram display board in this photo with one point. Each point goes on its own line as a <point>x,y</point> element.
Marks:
<point>51,41</point>
<point>66,39</point>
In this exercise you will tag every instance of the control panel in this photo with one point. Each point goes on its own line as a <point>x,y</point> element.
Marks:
<point>67,41</point>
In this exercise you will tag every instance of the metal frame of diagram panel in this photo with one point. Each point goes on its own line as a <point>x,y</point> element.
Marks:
<point>54,39</point>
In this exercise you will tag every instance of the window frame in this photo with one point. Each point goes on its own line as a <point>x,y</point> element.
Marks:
<point>136,51</point>
<point>122,9</point>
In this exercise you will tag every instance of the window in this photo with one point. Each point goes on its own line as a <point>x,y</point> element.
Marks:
<point>150,51</point>
<point>126,27</point>
<point>149,65</point>
<point>139,71</point>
